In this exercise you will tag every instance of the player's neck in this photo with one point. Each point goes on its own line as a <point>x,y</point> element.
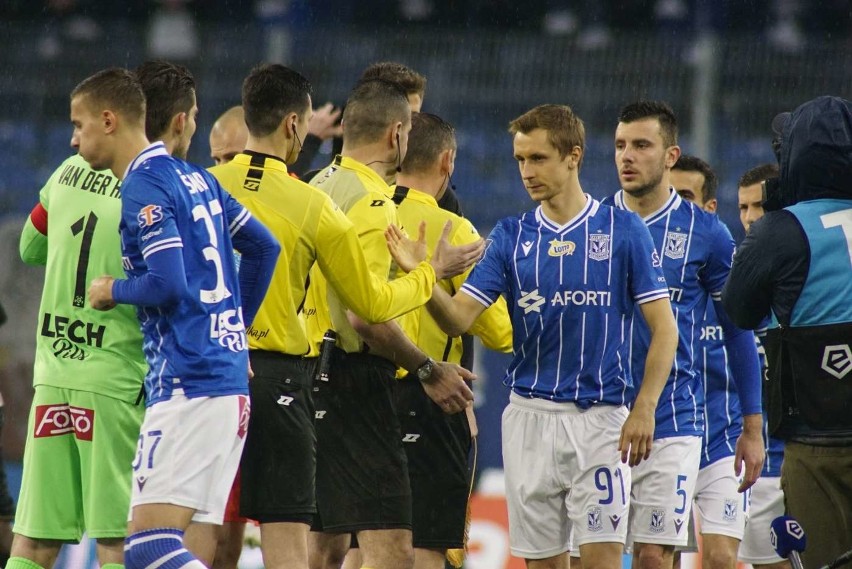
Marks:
<point>126,150</point>
<point>646,204</point>
<point>270,146</point>
<point>376,157</point>
<point>422,183</point>
<point>566,205</point>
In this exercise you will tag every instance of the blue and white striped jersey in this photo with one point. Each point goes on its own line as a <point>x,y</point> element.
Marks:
<point>696,250</point>
<point>723,415</point>
<point>199,343</point>
<point>571,291</point>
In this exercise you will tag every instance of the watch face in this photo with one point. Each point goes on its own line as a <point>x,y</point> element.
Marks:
<point>425,370</point>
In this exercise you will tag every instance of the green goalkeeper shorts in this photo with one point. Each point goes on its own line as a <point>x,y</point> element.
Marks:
<point>77,465</point>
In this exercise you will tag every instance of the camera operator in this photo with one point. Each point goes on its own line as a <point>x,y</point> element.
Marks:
<point>797,261</point>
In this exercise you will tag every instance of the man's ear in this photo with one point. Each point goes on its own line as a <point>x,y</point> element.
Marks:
<point>672,154</point>
<point>110,121</point>
<point>446,159</point>
<point>575,156</point>
<point>178,124</point>
<point>395,132</point>
<point>290,121</point>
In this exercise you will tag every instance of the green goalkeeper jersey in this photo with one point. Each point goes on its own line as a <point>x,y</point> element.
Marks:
<point>78,347</point>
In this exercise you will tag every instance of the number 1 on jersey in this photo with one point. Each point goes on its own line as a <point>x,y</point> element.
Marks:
<point>87,228</point>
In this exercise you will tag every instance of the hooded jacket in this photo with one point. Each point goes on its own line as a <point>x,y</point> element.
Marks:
<point>798,262</point>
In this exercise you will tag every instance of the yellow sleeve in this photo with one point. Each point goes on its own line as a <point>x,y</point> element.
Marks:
<point>358,282</point>
<point>493,326</point>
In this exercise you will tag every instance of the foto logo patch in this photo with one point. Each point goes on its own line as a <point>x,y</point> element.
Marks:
<point>149,215</point>
<point>62,419</point>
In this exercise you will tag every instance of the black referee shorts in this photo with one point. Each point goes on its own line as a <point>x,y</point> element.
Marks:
<point>279,459</point>
<point>437,446</point>
<point>362,475</point>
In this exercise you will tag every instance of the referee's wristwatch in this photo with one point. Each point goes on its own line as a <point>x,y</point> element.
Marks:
<point>424,372</point>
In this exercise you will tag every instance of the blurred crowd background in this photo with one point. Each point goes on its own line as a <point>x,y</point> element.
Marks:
<point>726,67</point>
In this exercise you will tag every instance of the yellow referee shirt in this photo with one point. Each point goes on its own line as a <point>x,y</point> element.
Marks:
<point>493,326</point>
<point>365,199</point>
<point>310,227</point>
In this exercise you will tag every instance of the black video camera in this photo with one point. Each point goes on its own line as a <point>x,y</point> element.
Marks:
<point>773,199</point>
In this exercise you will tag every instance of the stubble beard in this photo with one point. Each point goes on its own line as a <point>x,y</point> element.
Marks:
<point>648,188</point>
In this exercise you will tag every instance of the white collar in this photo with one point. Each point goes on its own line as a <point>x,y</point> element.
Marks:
<point>153,149</point>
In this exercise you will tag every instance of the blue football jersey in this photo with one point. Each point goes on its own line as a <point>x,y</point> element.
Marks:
<point>696,250</point>
<point>199,343</point>
<point>723,415</point>
<point>571,291</point>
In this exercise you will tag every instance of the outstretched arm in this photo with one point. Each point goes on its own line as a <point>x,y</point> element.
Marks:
<point>446,386</point>
<point>454,314</point>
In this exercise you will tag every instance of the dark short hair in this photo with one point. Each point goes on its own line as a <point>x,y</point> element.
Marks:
<point>409,80</point>
<point>372,107</point>
<point>271,92</point>
<point>653,110</point>
<point>687,163</point>
<point>758,174</point>
<point>565,130</point>
<point>169,89</point>
<point>430,136</point>
<point>116,89</point>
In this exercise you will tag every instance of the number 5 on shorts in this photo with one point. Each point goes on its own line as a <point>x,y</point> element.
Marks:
<point>153,439</point>
<point>681,478</point>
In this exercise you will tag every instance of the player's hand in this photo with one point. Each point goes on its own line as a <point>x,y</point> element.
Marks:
<point>250,371</point>
<point>449,260</point>
<point>100,293</point>
<point>407,253</point>
<point>749,450</point>
<point>322,122</point>
<point>447,388</point>
<point>637,435</point>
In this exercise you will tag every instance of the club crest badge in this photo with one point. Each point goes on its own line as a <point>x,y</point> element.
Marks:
<point>730,513</point>
<point>658,521</point>
<point>599,246</point>
<point>675,245</point>
<point>594,519</point>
